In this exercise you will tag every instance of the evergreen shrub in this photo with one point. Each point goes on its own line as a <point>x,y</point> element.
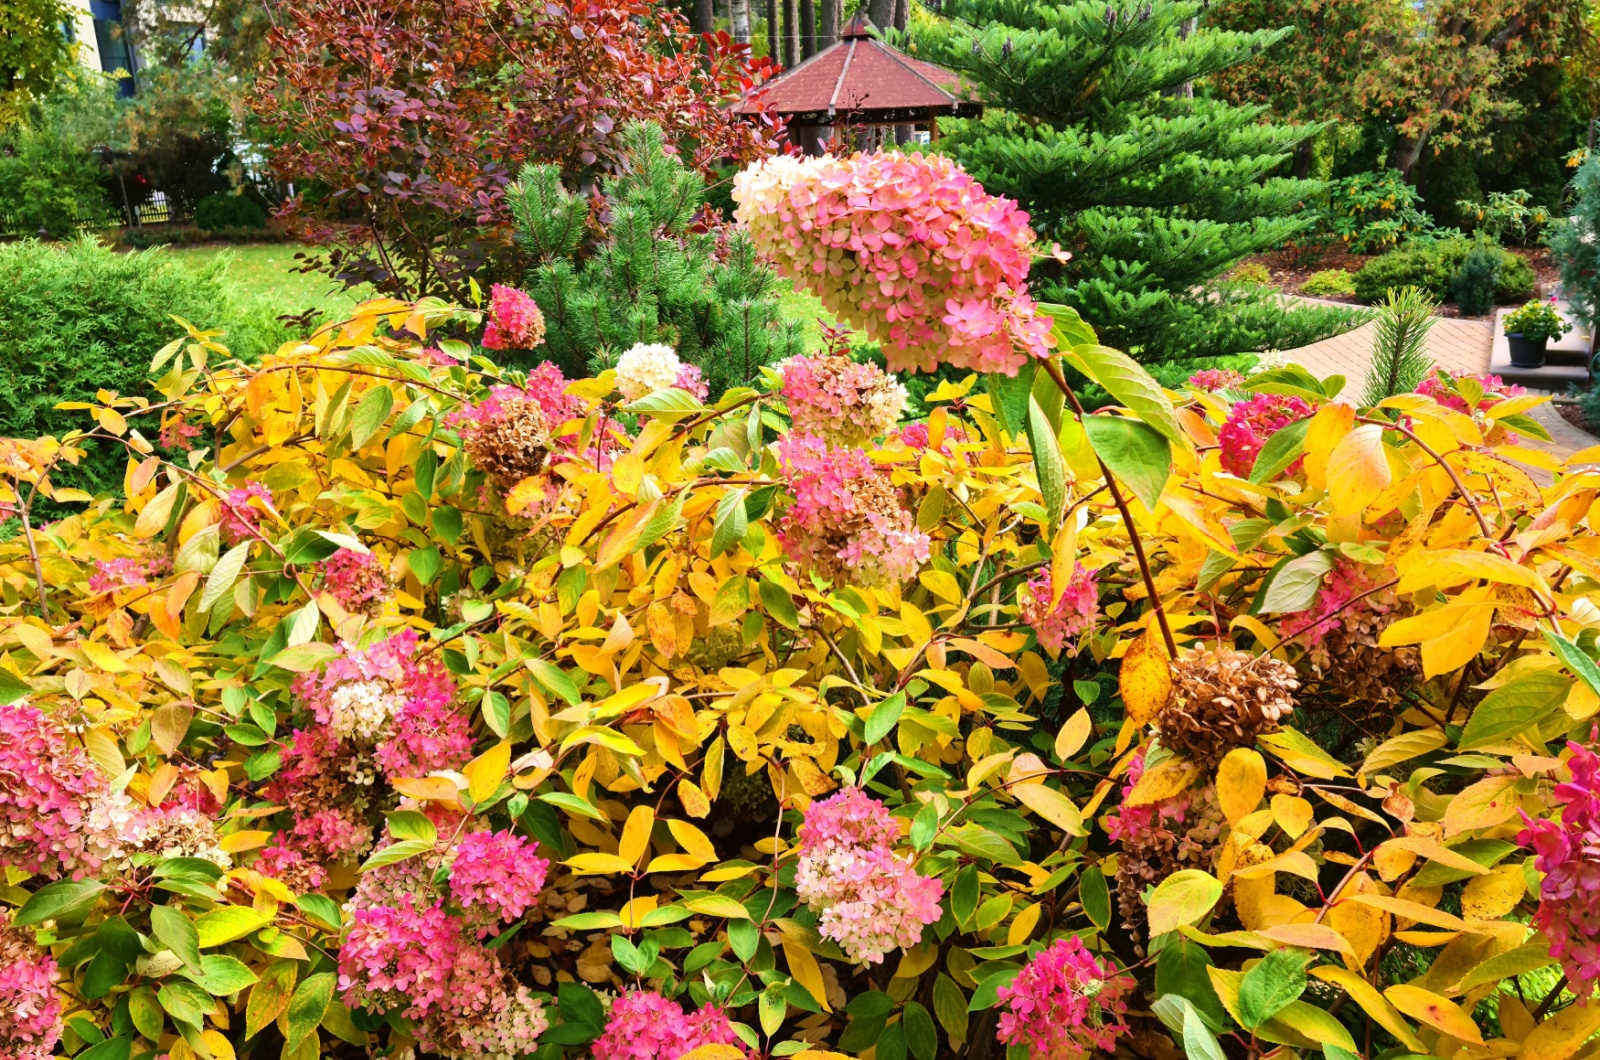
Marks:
<point>1431,266</point>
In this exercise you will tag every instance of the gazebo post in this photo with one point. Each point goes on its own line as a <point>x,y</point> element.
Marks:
<point>933,126</point>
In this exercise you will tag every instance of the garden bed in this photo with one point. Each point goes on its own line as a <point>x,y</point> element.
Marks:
<point>1290,272</point>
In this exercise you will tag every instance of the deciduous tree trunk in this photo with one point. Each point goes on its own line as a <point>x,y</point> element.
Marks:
<point>705,19</point>
<point>828,32</point>
<point>774,33</point>
<point>791,33</point>
<point>1407,152</point>
<point>739,17</point>
<point>808,28</point>
<point>881,12</point>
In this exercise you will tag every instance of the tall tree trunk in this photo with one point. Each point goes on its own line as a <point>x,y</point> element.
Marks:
<point>705,18</point>
<point>828,32</point>
<point>1407,152</point>
<point>1304,154</point>
<point>902,14</point>
<point>774,33</point>
<point>808,28</point>
<point>881,12</point>
<point>791,34</point>
<point>739,17</point>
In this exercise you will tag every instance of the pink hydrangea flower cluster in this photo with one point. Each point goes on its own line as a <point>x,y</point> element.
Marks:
<point>915,436</point>
<point>1251,422</point>
<point>1157,820</point>
<point>1345,582</point>
<point>356,580</point>
<point>1440,387</point>
<point>499,872</point>
<point>690,381</point>
<point>908,248</point>
<point>383,696</point>
<point>847,520</point>
<point>1058,624</point>
<point>30,1008</point>
<point>646,1026</point>
<point>58,814</point>
<point>179,436</point>
<point>241,511</point>
<point>840,401</point>
<point>515,322</point>
<point>1065,1004</point>
<point>115,575</point>
<point>1214,379</point>
<point>869,900</point>
<point>1568,853</point>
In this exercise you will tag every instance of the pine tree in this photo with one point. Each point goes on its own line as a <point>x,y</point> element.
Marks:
<point>658,275</point>
<point>1096,127</point>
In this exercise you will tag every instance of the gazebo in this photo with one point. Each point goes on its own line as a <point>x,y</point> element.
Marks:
<point>860,82</point>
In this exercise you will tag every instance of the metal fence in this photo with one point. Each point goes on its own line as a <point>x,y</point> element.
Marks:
<point>154,211</point>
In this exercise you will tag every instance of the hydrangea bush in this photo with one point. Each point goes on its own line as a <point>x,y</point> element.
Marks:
<point>426,707</point>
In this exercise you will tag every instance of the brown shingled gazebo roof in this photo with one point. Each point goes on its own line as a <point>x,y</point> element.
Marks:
<point>862,81</point>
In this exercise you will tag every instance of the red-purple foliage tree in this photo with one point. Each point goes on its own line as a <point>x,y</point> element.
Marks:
<point>402,122</point>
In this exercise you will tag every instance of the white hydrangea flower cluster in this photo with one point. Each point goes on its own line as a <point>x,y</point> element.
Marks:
<point>363,710</point>
<point>646,368</point>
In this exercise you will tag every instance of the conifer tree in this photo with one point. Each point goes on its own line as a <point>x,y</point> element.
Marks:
<point>1100,125</point>
<point>662,273</point>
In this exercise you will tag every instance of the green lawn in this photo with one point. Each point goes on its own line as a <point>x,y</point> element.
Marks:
<point>266,271</point>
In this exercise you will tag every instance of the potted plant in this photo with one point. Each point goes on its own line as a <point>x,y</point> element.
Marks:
<point>1529,329</point>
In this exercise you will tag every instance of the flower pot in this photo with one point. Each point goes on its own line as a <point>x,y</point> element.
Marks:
<point>1525,352</point>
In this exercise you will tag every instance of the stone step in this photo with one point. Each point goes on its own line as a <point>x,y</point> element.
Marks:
<point>1565,361</point>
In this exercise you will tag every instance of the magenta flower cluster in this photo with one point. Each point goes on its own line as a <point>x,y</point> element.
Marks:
<point>499,873</point>
<point>356,580</point>
<point>1065,1004</point>
<point>116,575</point>
<point>1441,387</point>
<point>58,815</point>
<point>1250,423</point>
<point>1059,622</point>
<point>1214,379</point>
<point>840,401</point>
<point>387,697</point>
<point>869,900</point>
<point>916,436</point>
<point>546,388</point>
<point>646,1026</point>
<point>908,248</point>
<point>515,322</point>
<point>241,512</point>
<point>30,1008</point>
<point>1342,584</point>
<point>847,521</point>
<point>1568,853</point>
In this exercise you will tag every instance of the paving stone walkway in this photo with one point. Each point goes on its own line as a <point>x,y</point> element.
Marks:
<point>1459,346</point>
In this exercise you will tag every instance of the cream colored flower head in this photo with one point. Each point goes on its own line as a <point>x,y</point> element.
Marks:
<point>646,368</point>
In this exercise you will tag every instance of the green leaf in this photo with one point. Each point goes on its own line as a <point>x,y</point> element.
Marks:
<point>950,1006</point>
<point>1198,1041</point>
<point>1575,660</point>
<point>427,470</point>
<point>554,680</point>
<point>447,523</point>
<point>172,926</point>
<point>1096,897</point>
<point>396,852</point>
<point>59,901</point>
<point>1181,971</point>
<point>185,1002</point>
<point>222,975</point>
<point>1135,452</point>
<point>12,687</point>
<point>1277,979</point>
<point>1525,425</point>
<point>145,1011</point>
<point>1048,464</point>
<point>1182,898</point>
<point>1291,381</point>
<point>1069,328</point>
<point>228,923</point>
<point>1295,586</point>
<point>409,824</point>
<point>224,574</point>
<point>772,1009</point>
<point>117,1048</point>
<point>269,997</point>
<point>409,418</point>
<point>1515,707</point>
<point>670,404</point>
<point>921,1036</point>
<point>1133,387</point>
<point>373,410</point>
<point>777,602</point>
<point>572,804</point>
<point>425,564</point>
<point>884,717</point>
<point>310,1001</point>
<point>1009,394</point>
<point>1281,450</point>
<point>731,523</point>
<point>303,624</point>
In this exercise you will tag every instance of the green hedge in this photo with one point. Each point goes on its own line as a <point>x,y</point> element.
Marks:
<point>1431,266</point>
<point>76,318</point>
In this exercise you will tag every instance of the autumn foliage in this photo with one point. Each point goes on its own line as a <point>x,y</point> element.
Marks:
<point>407,703</point>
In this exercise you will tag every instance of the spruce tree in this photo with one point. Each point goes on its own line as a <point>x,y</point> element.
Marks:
<point>1099,124</point>
<point>663,272</point>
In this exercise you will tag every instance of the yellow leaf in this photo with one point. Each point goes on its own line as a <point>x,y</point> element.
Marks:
<point>695,803</point>
<point>718,905</point>
<point>1406,909</point>
<point>1146,678</point>
<point>485,772</point>
<point>1562,1034</point>
<point>1494,894</point>
<point>1021,928</point>
<point>1051,805</point>
<point>427,789</point>
<point>236,842</point>
<point>674,863</point>
<point>590,864</point>
<point>1375,1004</point>
<point>1292,813</point>
<point>1163,782</point>
<point>1455,649</point>
<point>1331,423</point>
<point>1433,851</point>
<point>692,840</point>
<point>715,1052</point>
<point>1440,1013</point>
<point>221,1048</point>
<point>636,835</point>
<point>1358,470</point>
<point>1182,898</point>
<point>1241,781</point>
<point>1362,926</point>
<point>1063,559</point>
<point>1073,734</point>
<point>803,966</point>
<point>942,585</point>
<point>1491,801</point>
<point>1309,936</point>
